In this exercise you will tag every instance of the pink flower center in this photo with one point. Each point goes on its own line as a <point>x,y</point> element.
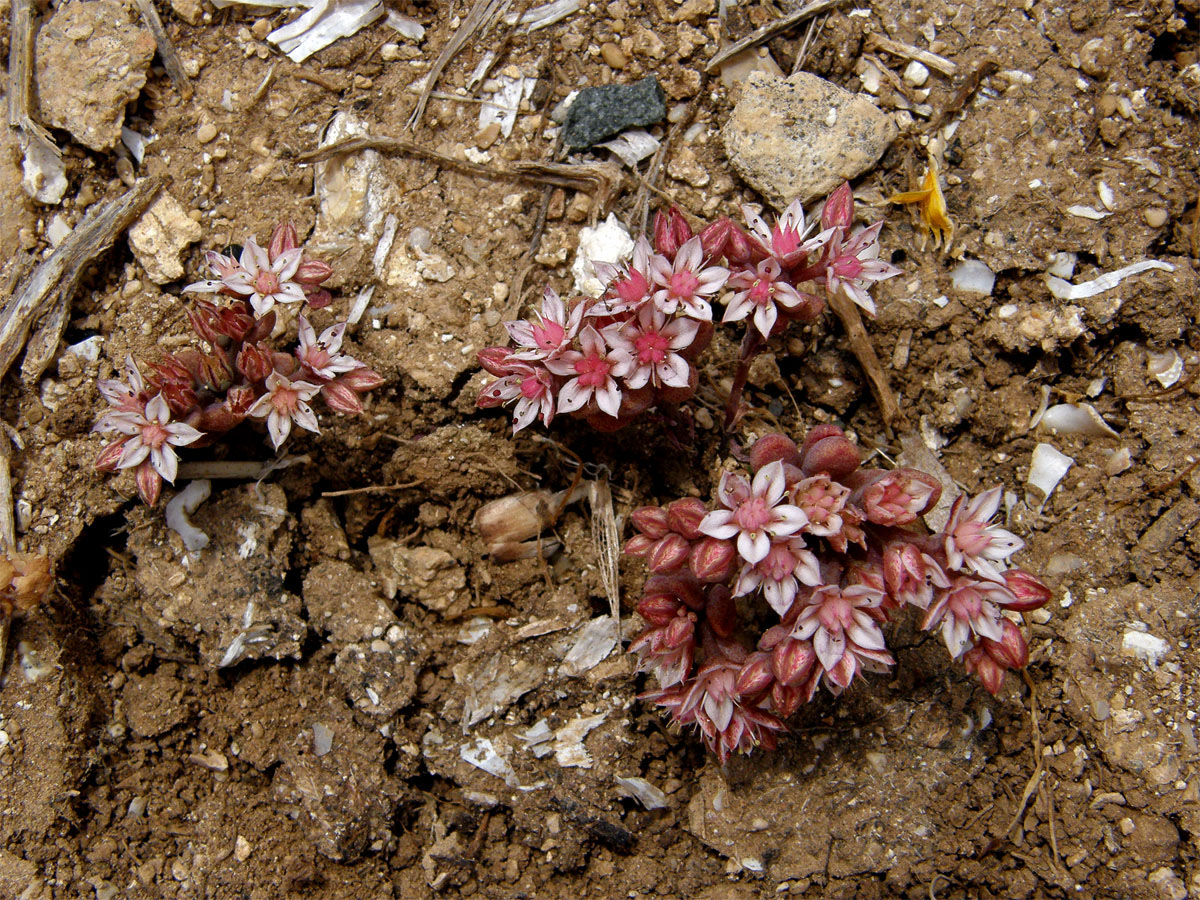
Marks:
<point>548,335</point>
<point>532,387</point>
<point>779,564</point>
<point>632,287</point>
<point>761,291</point>
<point>285,399</point>
<point>753,514</point>
<point>651,348</point>
<point>836,613</point>
<point>971,538</point>
<point>154,435</point>
<point>683,285</point>
<point>267,282</point>
<point>785,241</point>
<point>592,370</point>
<point>847,267</point>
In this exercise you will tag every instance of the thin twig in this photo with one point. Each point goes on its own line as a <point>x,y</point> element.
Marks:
<point>907,51</point>
<point>771,29</point>
<point>809,39</point>
<point>864,352</point>
<point>374,489</point>
<point>166,49</point>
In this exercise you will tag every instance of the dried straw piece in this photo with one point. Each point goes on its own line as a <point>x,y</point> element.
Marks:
<point>771,29</point>
<point>480,19</point>
<point>20,82</point>
<point>53,282</point>
<point>608,544</point>
<point>166,49</point>
<point>864,352</point>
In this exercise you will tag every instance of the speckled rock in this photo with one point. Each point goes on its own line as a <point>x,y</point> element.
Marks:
<point>802,136</point>
<point>92,59</point>
<point>601,112</point>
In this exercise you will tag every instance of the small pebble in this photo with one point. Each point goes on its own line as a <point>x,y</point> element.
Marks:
<point>487,135</point>
<point>125,171</point>
<point>206,132</point>
<point>1106,105</point>
<point>389,52</point>
<point>613,56</point>
<point>916,74</point>
<point>362,81</point>
<point>1155,217</point>
<point>261,28</point>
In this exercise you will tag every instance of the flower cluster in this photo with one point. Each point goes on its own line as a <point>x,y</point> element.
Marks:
<point>834,550</point>
<point>190,397</point>
<point>635,347</point>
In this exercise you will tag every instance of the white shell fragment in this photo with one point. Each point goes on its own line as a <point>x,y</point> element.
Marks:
<point>642,791</point>
<point>542,16</point>
<point>1107,198</point>
<point>323,24</point>
<point>973,277</point>
<point>45,174</point>
<point>632,146</point>
<point>568,741</point>
<point>484,756</point>
<point>1118,462</point>
<point>1062,265</point>
<point>1077,418</point>
<point>322,739</point>
<point>1064,290</point>
<point>595,641</point>
<point>1140,644</point>
<point>1047,470</point>
<point>608,242</point>
<point>184,504</point>
<point>409,29</point>
<point>1166,367</point>
<point>539,740</point>
<point>1087,212</point>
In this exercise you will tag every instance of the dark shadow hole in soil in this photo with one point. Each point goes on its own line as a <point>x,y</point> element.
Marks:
<point>1168,44</point>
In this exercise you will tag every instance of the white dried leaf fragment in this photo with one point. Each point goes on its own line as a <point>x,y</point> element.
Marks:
<point>327,21</point>
<point>1047,470</point>
<point>1144,646</point>
<point>1064,290</point>
<point>642,791</point>
<point>568,741</point>
<point>595,641</point>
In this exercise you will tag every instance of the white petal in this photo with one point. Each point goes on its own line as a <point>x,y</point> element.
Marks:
<point>306,418</point>
<point>719,524</point>
<point>608,398</point>
<point>279,427</point>
<point>573,396</point>
<point>165,463</point>
<point>133,454</point>
<point>829,647</point>
<point>673,371</point>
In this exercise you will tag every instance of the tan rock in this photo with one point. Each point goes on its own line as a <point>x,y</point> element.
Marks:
<point>160,236</point>
<point>802,136</point>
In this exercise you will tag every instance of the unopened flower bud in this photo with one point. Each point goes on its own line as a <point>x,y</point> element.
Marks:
<point>755,675</point>
<point>676,395</point>
<point>110,456</point>
<point>312,271</point>
<point>361,380</point>
<point>786,700</point>
<point>792,660</point>
<point>839,208</point>
<point>714,237</point>
<point>772,636</point>
<point>772,447</point>
<point>262,328</point>
<point>721,611</point>
<point>987,670</point>
<point>668,554</point>
<point>149,483</point>
<point>684,517</point>
<point>319,300</point>
<point>341,399</point>
<point>902,561</point>
<point>680,630</point>
<point>738,249</point>
<point>713,559</point>
<point>1029,591</point>
<point>834,454</point>
<point>256,362</point>
<point>809,308</point>
<point>650,521</point>
<point>495,360</point>
<point>283,239</point>
<point>671,231</point>
<point>659,609</point>
<point>681,587</point>
<point>897,497</point>
<point>1010,651</point>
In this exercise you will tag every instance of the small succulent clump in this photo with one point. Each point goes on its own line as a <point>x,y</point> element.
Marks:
<point>191,397</point>
<point>825,552</point>
<point>25,580</point>
<point>610,359</point>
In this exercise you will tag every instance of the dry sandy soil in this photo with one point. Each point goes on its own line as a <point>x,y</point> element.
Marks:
<point>382,649</point>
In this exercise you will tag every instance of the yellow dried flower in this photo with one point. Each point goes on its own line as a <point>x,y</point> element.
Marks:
<point>931,203</point>
<point>24,582</point>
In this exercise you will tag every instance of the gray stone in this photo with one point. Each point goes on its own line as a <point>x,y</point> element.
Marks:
<point>803,136</point>
<point>601,112</point>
